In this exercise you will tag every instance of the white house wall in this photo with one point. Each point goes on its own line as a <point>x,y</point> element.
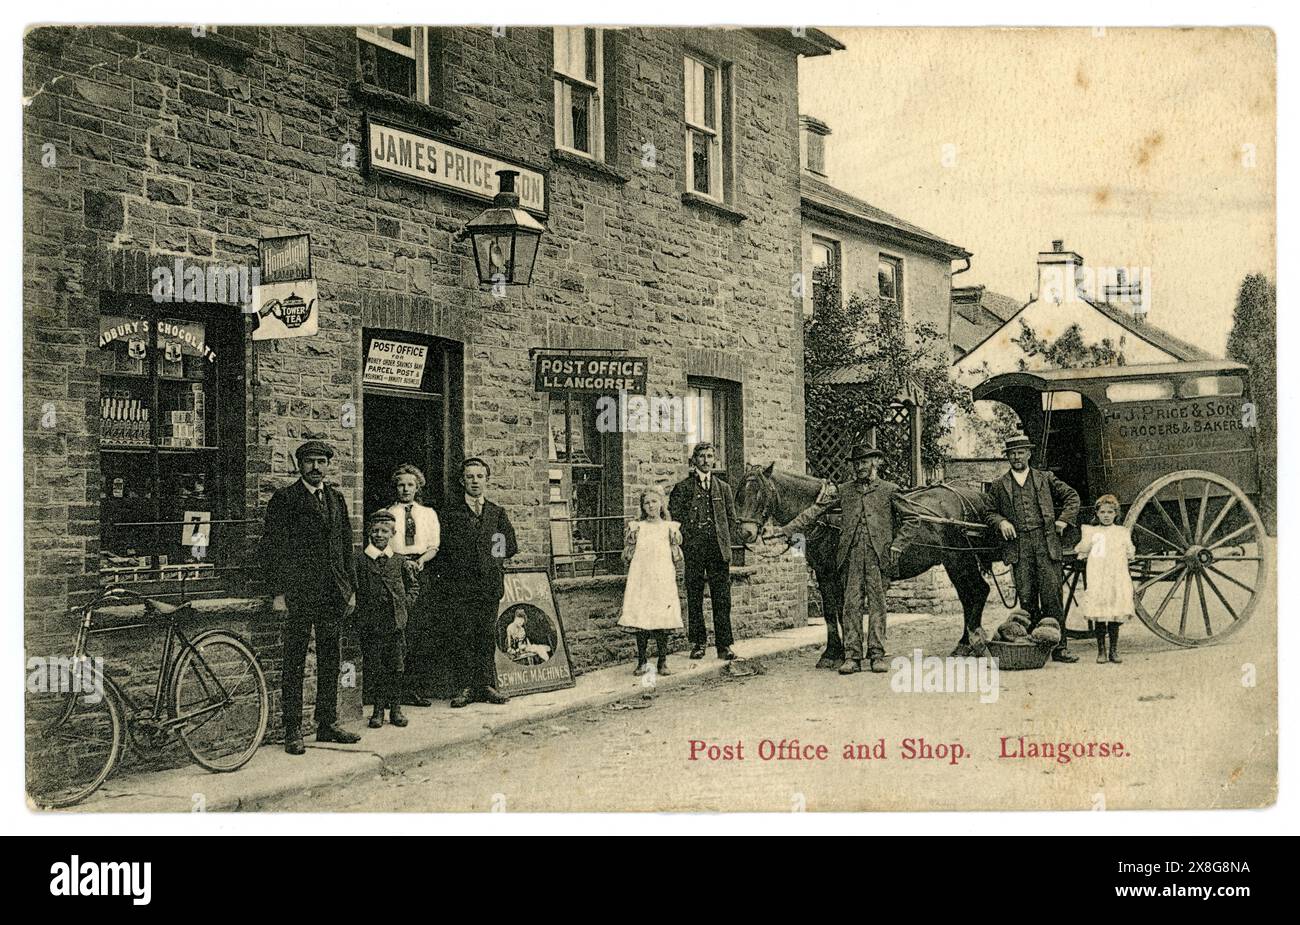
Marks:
<point>927,280</point>
<point>1049,321</point>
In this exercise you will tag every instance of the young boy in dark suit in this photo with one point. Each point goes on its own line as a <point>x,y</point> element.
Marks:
<point>386,589</point>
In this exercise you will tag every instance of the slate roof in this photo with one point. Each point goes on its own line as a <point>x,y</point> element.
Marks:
<point>818,193</point>
<point>1178,348</point>
<point>1152,334</point>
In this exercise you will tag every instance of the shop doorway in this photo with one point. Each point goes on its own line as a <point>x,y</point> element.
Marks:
<point>411,411</point>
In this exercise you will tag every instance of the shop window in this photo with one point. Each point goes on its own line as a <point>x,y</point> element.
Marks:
<point>585,491</point>
<point>707,95</point>
<point>171,442</point>
<point>889,278</point>
<point>397,59</point>
<point>579,80</point>
<point>825,275</point>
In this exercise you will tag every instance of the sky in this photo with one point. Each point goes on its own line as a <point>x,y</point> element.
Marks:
<point>1140,148</point>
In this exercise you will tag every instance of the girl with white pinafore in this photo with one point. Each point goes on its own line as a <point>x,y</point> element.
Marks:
<point>651,604</point>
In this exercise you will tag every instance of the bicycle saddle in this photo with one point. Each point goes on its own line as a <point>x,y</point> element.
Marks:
<point>162,608</point>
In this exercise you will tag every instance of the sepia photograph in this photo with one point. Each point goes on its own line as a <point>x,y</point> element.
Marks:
<point>646,418</point>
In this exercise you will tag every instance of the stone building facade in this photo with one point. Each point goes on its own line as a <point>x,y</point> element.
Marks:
<point>156,151</point>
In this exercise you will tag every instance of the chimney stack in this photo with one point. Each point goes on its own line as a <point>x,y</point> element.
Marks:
<point>1128,294</point>
<point>812,145</point>
<point>1060,274</point>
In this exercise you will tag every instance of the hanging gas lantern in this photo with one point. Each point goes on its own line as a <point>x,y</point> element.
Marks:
<point>505,238</point>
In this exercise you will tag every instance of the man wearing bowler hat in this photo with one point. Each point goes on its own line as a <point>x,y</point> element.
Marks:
<point>862,556</point>
<point>1031,508</point>
<point>307,550</point>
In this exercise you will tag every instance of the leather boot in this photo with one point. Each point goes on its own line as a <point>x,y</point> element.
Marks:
<point>1113,630</point>
<point>396,717</point>
<point>376,717</point>
<point>333,732</point>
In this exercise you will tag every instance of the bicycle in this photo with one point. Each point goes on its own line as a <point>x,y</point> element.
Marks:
<point>210,692</point>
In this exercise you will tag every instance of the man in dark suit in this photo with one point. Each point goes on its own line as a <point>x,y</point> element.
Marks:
<point>307,550</point>
<point>477,539</point>
<point>862,556</point>
<point>702,503</point>
<point>1031,508</point>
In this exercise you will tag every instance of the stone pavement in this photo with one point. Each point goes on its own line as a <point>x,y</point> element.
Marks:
<point>273,774</point>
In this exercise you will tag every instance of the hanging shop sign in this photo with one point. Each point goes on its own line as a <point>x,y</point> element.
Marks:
<point>285,258</point>
<point>531,653</point>
<point>287,309</point>
<point>432,161</point>
<point>395,363</point>
<point>285,299</point>
<point>594,373</point>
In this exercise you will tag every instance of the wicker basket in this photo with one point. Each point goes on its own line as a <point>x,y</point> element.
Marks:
<point>1018,656</point>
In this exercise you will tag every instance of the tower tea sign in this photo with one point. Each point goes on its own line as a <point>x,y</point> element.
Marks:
<point>285,302</point>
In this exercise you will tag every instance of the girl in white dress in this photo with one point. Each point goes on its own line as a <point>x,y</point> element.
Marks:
<point>651,605</point>
<point>1109,600</point>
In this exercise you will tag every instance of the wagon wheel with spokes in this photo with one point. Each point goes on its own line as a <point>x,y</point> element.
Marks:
<point>1201,563</point>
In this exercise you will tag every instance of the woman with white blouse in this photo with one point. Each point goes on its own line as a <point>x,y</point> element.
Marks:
<point>417,537</point>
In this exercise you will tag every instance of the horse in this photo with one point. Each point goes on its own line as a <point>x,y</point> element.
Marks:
<point>767,496</point>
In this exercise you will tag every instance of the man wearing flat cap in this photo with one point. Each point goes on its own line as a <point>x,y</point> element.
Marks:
<point>309,565</point>
<point>862,556</point>
<point>1030,509</point>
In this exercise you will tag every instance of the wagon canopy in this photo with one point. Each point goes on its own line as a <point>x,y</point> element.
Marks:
<point>1118,428</point>
<point>1094,379</point>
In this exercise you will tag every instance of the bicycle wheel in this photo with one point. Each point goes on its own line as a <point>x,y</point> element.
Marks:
<point>74,742</point>
<point>219,694</point>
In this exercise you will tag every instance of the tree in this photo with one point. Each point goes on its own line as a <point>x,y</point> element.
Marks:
<point>899,358</point>
<point>1253,341</point>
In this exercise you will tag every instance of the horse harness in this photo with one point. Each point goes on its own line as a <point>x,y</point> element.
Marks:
<point>909,507</point>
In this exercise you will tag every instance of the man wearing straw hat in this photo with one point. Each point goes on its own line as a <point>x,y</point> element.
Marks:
<point>1030,508</point>
<point>863,556</point>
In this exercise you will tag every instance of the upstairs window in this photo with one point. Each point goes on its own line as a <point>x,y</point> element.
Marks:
<point>396,59</point>
<point>889,278</point>
<point>825,274</point>
<point>706,141</point>
<point>579,77</point>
